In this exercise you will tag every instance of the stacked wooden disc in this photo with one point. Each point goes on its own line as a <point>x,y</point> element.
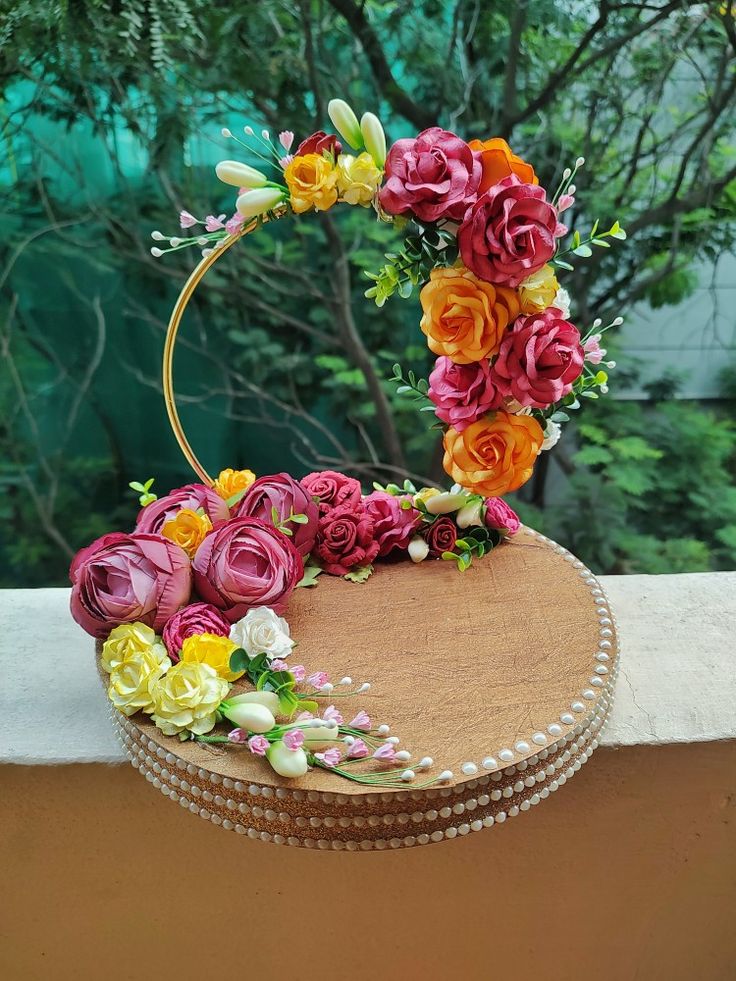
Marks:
<point>502,674</point>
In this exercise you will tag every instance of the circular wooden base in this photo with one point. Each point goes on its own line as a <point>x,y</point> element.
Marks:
<point>502,674</point>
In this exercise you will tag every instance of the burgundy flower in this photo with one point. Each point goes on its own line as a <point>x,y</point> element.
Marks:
<point>282,492</point>
<point>345,539</point>
<point>433,176</point>
<point>154,516</point>
<point>332,489</point>
<point>540,358</point>
<point>441,535</point>
<point>499,515</point>
<point>463,392</point>
<point>123,578</point>
<point>245,563</point>
<point>509,232</point>
<point>319,142</point>
<point>393,526</point>
<point>197,618</point>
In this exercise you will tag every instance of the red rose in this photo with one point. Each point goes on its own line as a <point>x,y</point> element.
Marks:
<point>441,536</point>
<point>282,492</point>
<point>197,618</point>
<point>393,526</point>
<point>319,142</point>
<point>332,489</point>
<point>154,516</point>
<point>345,539</point>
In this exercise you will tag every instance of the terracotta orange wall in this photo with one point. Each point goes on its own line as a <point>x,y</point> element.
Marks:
<point>627,873</point>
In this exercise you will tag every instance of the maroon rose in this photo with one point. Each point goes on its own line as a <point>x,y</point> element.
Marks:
<point>197,618</point>
<point>434,176</point>
<point>509,232</point>
<point>441,535</point>
<point>154,516</point>
<point>123,578</point>
<point>393,525</point>
<point>540,358</point>
<point>282,492</point>
<point>245,563</point>
<point>345,539</point>
<point>500,516</point>
<point>319,142</point>
<point>332,489</point>
<point>462,392</point>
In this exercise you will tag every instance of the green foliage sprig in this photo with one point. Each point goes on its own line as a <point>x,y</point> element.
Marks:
<point>582,246</point>
<point>432,246</point>
<point>146,497</point>
<point>282,683</point>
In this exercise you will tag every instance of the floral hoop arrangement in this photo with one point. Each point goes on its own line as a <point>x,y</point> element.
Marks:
<point>188,606</point>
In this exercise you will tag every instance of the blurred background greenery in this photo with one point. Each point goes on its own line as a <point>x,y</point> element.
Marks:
<point>111,116</point>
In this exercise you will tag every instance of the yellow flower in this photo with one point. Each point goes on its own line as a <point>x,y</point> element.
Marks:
<point>538,291</point>
<point>213,650</point>
<point>132,681</point>
<point>312,182</point>
<point>230,482</point>
<point>187,697</point>
<point>187,529</point>
<point>425,493</point>
<point>127,641</point>
<point>358,179</point>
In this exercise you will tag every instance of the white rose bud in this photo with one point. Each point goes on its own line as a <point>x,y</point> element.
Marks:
<point>551,434</point>
<point>269,699</point>
<point>562,302</point>
<point>261,631</point>
<point>469,515</point>
<point>253,717</point>
<point>445,503</point>
<point>345,122</point>
<point>259,201</point>
<point>374,138</point>
<point>287,762</point>
<point>418,549</point>
<point>240,174</point>
<point>317,738</point>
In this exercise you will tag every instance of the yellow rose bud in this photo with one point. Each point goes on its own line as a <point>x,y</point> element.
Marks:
<point>240,174</point>
<point>132,681</point>
<point>213,650</point>
<point>425,493</point>
<point>374,137</point>
<point>129,640</point>
<point>259,201</point>
<point>230,482</point>
<point>312,182</point>
<point>187,698</point>
<point>187,529</point>
<point>358,179</point>
<point>345,122</point>
<point>538,291</point>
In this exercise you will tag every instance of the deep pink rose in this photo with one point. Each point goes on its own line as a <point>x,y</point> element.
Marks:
<point>197,618</point>
<point>345,539</point>
<point>441,535</point>
<point>499,515</point>
<point>393,526</point>
<point>244,563</point>
<point>462,392</point>
<point>509,232</point>
<point>433,176</point>
<point>319,142</point>
<point>332,489</point>
<point>154,516</point>
<point>282,492</point>
<point>540,358</point>
<point>128,578</point>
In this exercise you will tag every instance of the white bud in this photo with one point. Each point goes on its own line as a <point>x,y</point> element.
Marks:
<point>425,762</point>
<point>571,189</point>
<point>250,716</point>
<point>403,755</point>
<point>258,201</point>
<point>345,681</point>
<point>566,173</point>
<point>239,174</point>
<point>418,549</point>
<point>374,138</point>
<point>345,122</point>
<point>287,762</point>
<point>268,698</point>
<point>604,389</point>
<point>248,130</point>
<point>597,322</point>
<point>327,687</point>
<point>617,322</point>
<point>331,723</point>
<point>469,515</point>
<point>265,134</point>
<point>202,241</point>
<point>364,687</point>
<point>173,242</point>
<point>348,740</point>
<point>157,236</point>
<point>394,740</point>
<point>445,776</point>
<point>156,253</point>
<point>408,775</point>
<point>580,161</point>
<point>226,133</point>
<point>445,503</point>
<point>610,364</point>
<point>384,730</point>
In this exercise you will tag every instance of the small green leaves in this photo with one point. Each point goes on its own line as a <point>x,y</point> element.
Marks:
<point>359,574</point>
<point>414,388</point>
<point>582,246</point>
<point>409,267</point>
<point>146,497</point>
<point>310,575</point>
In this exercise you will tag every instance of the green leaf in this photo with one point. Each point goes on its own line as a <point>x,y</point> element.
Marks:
<point>564,265</point>
<point>583,250</point>
<point>359,574</point>
<point>310,575</point>
<point>239,660</point>
<point>593,455</point>
<point>236,497</point>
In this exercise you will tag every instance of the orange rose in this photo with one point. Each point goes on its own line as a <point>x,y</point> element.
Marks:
<point>498,161</point>
<point>187,529</point>
<point>312,182</point>
<point>230,482</point>
<point>465,317</point>
<point>494,455</point>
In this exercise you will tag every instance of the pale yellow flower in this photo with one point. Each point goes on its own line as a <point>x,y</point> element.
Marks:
<point>425,493</point>
<point>538,291</point>
<point>213,650</point>
<point>187,698</point>
<point>127,640</point>
<point>312,182</point>
<point>187,529</point>
<point>132,681</point>
<point>358,179</point>
<point>231,482</point>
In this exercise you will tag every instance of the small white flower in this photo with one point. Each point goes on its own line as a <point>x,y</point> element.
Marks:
<point>261,631</point>
<point>562,302</point>
<point>552,433</point>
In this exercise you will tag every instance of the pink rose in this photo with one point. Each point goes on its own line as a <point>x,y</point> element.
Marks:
<point>393,526</point>
<point>319,142</point>
<point>462,392</point>
<point>499,515</point>
<point>441,535</point>
<point>258,745</point>
<point>197,618</point>
<point>540,358</point>
<point>282,492</point>
<point>128,578</point>
<point>433,176</point>
<point>245,563</point>
<point>332,489</point>
<point>509,232</point>
<point>154,516</point>
<point>345,539</point>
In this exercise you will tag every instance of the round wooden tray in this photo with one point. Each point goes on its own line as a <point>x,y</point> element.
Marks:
<point>503,674</point>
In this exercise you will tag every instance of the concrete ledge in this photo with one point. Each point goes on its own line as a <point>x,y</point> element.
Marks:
<point>677,682</point>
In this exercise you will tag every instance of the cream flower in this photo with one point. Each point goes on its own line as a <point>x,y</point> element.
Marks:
<point>358,179</point>
<point>261,631</point>
<point>132,681</point>
<point>127,640</point>
<point>552,433</point>
<point>187,697</point>
<point>562,302</point>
